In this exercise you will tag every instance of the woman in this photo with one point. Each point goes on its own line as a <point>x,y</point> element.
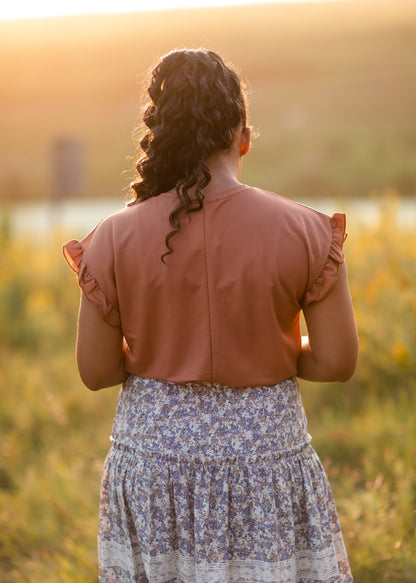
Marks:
<point>192,296</point>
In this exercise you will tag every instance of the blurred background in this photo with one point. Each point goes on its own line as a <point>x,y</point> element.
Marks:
<point>332,91</point>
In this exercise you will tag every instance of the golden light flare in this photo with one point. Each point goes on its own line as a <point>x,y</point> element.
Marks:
<point>40,9</point>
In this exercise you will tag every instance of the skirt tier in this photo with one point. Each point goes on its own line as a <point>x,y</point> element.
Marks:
<point>212,484</point>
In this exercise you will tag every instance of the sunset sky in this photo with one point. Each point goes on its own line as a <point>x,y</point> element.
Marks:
<point>42,8</point>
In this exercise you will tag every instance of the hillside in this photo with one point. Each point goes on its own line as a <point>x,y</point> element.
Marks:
<point>332,92</point>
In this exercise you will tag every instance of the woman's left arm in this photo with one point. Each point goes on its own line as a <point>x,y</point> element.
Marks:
<point>100,349</point>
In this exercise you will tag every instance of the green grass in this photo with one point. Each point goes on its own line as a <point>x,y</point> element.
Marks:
<point>55,432</point>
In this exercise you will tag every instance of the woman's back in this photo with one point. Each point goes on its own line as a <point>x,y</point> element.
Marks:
<point>191,298</point>
<point>225,308</point>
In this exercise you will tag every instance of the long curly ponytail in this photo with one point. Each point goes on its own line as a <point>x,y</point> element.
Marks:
<point>196,102</point>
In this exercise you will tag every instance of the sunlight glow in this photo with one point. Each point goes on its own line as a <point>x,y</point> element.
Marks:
<point>46,8</point>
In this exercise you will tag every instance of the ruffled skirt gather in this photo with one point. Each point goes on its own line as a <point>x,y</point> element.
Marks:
<point>212,484</point>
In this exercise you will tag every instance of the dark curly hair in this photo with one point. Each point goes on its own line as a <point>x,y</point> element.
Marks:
<point>196,102</point>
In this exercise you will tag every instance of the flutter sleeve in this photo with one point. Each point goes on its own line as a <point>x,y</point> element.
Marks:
<point>326,259</point>
<point>92,260</point>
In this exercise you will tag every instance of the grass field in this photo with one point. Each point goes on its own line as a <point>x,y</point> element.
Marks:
<point>332,90</point>
<point>55,432</point>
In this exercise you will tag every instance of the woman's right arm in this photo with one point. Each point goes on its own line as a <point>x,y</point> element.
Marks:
<point>100,349</point>
<point>331,350</point>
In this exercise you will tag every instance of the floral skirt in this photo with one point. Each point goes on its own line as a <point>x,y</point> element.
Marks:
<point>212,484</point>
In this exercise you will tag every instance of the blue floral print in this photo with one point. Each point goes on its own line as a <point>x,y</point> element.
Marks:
<point>212,484</point>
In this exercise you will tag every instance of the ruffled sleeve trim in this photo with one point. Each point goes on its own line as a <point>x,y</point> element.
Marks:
<point>329,273</point>
<point>74,254</point>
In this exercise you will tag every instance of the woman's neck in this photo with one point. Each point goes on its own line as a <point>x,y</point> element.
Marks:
<point>224,168</point>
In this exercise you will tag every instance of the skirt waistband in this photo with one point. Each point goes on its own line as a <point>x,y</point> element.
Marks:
<point>208,422</point>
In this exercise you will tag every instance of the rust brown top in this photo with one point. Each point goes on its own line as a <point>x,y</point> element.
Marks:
<point>226,308</point>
